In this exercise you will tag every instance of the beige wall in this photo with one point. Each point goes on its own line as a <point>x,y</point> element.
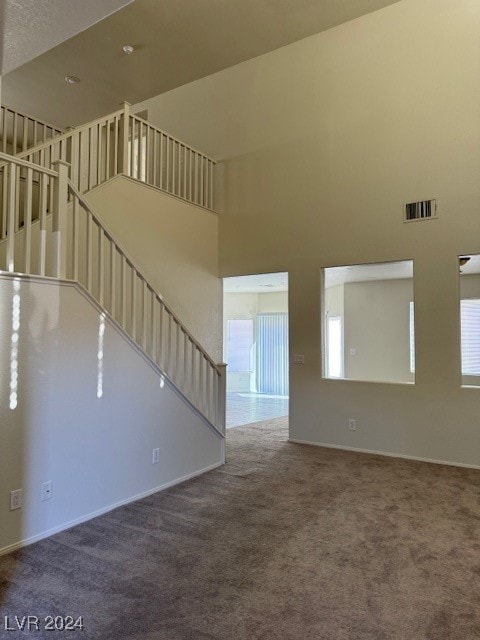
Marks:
<point>377,327</point>
<point>240,305</point>
<point>470,285</point>
<point>176,246</point>
<point>97,451</point>
<point>273,302</point>
<point>323,141</point>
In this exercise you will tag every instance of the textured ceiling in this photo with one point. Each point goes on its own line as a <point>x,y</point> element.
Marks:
<point>258,283</point>
<point>176,42</point>
<point>367,272</point>
<point>31,27</point>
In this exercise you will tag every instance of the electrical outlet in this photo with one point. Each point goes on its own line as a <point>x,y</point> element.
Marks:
<point>352,424</point>
<point>47,490</point>
<point>15,499</point>
<point>155,456</point>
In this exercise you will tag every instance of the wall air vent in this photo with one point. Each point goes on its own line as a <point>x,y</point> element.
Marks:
<point>424,210</point>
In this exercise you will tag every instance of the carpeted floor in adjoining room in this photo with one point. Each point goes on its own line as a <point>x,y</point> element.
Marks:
<point>286,542</point>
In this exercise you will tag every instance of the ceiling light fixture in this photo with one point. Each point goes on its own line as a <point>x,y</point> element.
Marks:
<point>128,49</point>
<point>72,79</point>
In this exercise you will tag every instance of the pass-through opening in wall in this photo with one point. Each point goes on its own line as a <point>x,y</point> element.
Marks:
<point>256,347</point>
<point>368,322</point>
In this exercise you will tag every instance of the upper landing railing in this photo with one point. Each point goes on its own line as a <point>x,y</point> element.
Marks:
<point>124,144</point>
<point>19,131</point>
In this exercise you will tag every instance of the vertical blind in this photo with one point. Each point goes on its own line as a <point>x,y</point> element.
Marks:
<point>272,353</point>
<point>470,327</point>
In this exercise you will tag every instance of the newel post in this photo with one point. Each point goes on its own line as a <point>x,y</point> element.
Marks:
<point>222,397</point>
<point>59,218</point>
<point>123,142</point>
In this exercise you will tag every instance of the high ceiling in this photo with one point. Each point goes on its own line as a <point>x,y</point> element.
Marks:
<point>175,41</point>
<point>28,28</point>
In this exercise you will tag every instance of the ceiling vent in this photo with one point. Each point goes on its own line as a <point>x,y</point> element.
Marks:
<point>424,210</point>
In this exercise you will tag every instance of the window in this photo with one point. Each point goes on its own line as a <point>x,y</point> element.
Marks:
<point>412,338</point>
<point>239,345</point>
<point>470,336</point>
<point>334,347</point>
<point>469,267</point>
<point>368,322</point>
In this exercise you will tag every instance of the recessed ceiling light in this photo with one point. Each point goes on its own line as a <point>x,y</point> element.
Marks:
<point>128,49</point>
<point>72,79</point>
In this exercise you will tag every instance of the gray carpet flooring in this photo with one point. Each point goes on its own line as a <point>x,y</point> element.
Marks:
<point>285,542</point>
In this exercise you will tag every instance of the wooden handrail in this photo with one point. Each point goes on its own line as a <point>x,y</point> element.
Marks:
<point>42,123</point>
<point>168,135</point>
<point>68,134</point>
<point>43,237</point>
<point>131,263</point>
<point>122,143</point>
<point>5,158</point>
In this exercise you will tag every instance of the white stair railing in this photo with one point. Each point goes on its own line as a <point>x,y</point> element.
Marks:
<point>162,161</point>
<point>48,229</point>
<point>27,195</point>
<point>19,131</point>
<point>122,143</point>
<point>93,151</point>
<point>120,288</point>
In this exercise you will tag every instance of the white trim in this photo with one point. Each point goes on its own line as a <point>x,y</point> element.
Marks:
<point>386,454</point>
<point>94,514</point>
<point>114,324</point>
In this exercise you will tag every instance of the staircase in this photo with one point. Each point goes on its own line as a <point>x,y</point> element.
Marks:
<point>124,144</point>
<point>48,229</point>
<point>19,131</point>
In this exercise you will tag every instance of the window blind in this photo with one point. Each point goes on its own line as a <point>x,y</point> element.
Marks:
<point>240,345</point>
<point>470,329</point>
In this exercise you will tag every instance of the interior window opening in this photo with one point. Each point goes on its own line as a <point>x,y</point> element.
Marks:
<point>368,328</point>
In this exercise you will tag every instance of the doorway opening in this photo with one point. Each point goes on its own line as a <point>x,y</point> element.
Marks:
<point>255,312</point>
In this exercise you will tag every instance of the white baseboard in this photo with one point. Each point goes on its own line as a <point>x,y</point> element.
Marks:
<point>94,514</point>
<point>386,454</point>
